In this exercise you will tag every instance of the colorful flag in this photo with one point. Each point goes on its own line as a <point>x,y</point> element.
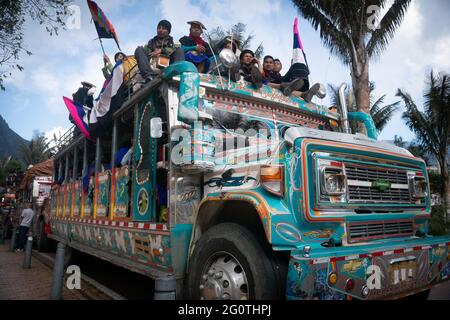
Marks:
<point>299,53</point>
<point>79,116</point>
<point>104,28</point>
<point>102,105</point>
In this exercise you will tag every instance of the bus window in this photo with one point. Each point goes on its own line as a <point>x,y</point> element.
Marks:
<point>123,166</point>
<point>79,163</point>
<point>103,177</point>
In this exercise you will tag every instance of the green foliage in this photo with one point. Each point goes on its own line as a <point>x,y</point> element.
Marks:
<point>381,115</point>
<point>13,14</point>
<point>437,222</point>
<point>435,182</point>
<point>432,126</point>
<point>344,25</point>
<point>239,32</point>
<point>36,151</point>
<point>8,166</point>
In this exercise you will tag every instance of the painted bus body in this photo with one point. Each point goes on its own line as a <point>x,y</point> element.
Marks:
<point>333,246</point>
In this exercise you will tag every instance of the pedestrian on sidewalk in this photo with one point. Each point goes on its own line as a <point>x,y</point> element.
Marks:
<point>27,218</point>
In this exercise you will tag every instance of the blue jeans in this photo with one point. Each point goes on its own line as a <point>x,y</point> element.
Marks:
<point>23,231</point>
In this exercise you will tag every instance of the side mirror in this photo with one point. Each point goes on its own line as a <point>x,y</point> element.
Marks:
<point>156,131</point>
<point>228,58</point>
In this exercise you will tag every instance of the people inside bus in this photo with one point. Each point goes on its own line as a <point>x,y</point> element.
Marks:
<point>87,174</point>
<point>159,48</point>
<point>108,66</point>
<point>197,50</point>
<point>123,157</point>
<point>250,69</point>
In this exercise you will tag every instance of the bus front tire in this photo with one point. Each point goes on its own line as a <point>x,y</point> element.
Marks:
<point>228,263</point>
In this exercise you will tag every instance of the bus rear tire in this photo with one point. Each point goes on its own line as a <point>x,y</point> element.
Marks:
<point>228,263</point>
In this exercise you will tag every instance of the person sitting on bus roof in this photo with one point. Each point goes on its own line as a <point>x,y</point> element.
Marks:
<point>269,75</point>
<point>197,50</point>
<point>250,69</point>
<point>277,67</point>
<point>296,82</point>
<point>161,45</point>
<point>108,68</point>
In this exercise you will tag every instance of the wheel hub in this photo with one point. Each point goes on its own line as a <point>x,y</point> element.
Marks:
<point>224,279</point>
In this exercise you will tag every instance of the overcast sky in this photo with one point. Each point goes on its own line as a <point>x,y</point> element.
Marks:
<point>33,100</point>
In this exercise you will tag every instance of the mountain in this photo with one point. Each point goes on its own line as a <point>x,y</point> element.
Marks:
<point>9,141</point>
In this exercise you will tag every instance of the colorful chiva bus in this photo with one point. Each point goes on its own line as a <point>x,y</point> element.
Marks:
<point>248,194</point>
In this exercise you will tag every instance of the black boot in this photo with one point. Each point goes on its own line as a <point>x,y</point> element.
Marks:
<point>309,95</point>
<point>288,87</point>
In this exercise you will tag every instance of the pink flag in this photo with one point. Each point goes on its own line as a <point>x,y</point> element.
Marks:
<point>299,53</point>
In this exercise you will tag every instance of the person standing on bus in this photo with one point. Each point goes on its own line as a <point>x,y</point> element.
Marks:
<point>27,219</point>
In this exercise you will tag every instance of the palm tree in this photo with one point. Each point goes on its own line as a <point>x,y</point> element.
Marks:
<point>346,30</point>
<point>432,127</point>
<point>36,151</point>
<point>239,33</point>
<point>381,114</point>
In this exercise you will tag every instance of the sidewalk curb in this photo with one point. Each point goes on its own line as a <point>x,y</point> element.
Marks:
<point>86,281</point>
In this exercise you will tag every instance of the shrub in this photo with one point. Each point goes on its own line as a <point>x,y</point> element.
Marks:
<point>437,221</point>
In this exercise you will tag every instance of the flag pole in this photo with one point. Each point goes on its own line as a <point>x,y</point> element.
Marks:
<point>101,43</point>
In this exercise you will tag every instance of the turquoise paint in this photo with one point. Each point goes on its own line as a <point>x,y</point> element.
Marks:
<point>179,247</point>
<point>145,158</point>
<point>189,89</point>
<point>367,120</point>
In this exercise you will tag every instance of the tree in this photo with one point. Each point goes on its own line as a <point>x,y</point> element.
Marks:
<point>8,166</point>
<point>432,127</point>
<point>239,31</point>
<point>13,14</point>
<point>36,151</point>
<point>381,115</point>
<point>347,29</point>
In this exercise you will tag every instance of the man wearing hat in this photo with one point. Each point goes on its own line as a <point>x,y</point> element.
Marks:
<point>161,44</point>
<point>196,49</point>
<point>83,97</point>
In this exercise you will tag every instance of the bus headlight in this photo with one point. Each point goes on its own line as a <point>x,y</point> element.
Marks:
<point>335,184</point>
<point>418,187</point>
<point>334,181</point>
